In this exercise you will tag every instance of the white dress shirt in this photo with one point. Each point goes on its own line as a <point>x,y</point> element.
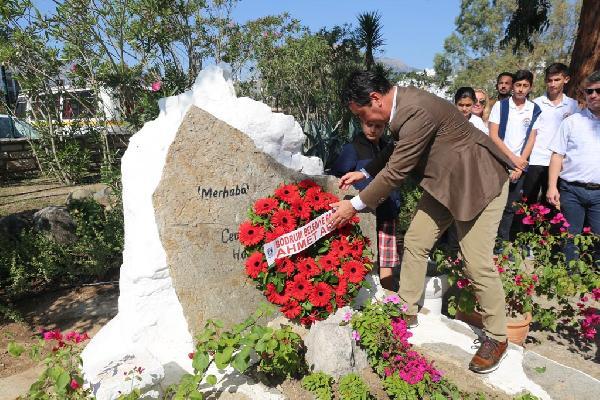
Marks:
<point>547,125</point>
<point>578,140</point>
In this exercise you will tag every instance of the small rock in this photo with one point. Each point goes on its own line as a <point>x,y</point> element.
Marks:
<point>79,194</point>
<point>57,223</point>
<point>331,349</point>
<point>12,225</point>
<point>104,196</point>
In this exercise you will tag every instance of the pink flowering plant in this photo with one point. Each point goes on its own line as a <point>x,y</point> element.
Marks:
<point>381,331</point>
<point>62,377</point>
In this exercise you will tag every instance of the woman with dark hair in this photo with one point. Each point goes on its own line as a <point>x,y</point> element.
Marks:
<point>464,99</point>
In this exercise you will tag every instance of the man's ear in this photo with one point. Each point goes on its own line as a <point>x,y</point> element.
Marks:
<point>567,79</point>
<point>376,97</point>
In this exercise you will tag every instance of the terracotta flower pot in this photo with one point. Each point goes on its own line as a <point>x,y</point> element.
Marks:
<point>516,329</point>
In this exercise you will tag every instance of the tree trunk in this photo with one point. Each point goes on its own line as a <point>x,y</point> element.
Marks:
<point>585,58</point>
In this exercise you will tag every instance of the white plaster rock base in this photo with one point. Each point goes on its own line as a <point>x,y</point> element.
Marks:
<point>150,318</point>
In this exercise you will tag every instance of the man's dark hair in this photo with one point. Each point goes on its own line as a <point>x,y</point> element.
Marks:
<point>362,83</point>
<point>592,78</point>
<point>523,75</point>
<point>464,93</point>
<point>557,68</point>
<point>505,74</point>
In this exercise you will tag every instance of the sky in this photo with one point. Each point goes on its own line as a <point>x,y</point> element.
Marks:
<point>414,30</point>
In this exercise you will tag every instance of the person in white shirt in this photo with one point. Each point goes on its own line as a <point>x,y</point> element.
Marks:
<point>555,106</point>
<point>575,157</point>
<point>464,99</point>
<point>513,129</point>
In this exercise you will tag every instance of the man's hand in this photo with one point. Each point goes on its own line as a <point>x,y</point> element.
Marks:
<point>520,162</point>
<point>351,177</point>
<point>553,196</point>
<point>515,175</point>
<point>343,213</point>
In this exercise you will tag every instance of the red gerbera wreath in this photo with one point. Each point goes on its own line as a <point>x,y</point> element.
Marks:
<point>323,277</point>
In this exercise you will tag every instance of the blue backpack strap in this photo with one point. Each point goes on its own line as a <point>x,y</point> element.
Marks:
<point>536,113</point>
<point>504,108</point>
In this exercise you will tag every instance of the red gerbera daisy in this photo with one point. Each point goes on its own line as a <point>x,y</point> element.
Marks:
<point>285,266</point>
<point>329,262</point>
<point>342,287</point>
<point>250,234</point>
<point>265,206</point>
<point>309,319</point>
<point>341,247</point>
<point>340,301</point>
<point>291,309</point>
<point>299,288</point>
<point>287,193</point>
<point>329,198</point>
<point>316,198</point>
<point>301,209</point>
<point>355,271</point>
<point>274,297</point>
<point>255,264</point>
<point>308,267</point>
<point>320,294</point>
<point>274,234</point>
<point>307,183</point>
<point>285,219</point>
<point>356,248</point>
<point>345,230</point>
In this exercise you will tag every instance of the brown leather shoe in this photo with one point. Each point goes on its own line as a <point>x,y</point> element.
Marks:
<point>411,320</point>
<point>488,357</point>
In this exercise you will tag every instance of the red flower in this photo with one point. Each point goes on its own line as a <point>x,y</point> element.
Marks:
<point>329,262</point>
<point>255,265</point>
<point>309,319</point>
<point>342,247</point>
<point>587,230</point>
<point>320,294</point>
<point>285,266</point>
<point>354,270</point>
<point>299,288</point>
<point>285,219</point>
<point>191,355</point>
<point>463,283</point>
<point>301,209</point>
<point>340,301</point>
<point>250,234</point>
<point>528,220</point>
<point>307,183</point>
<point>274,297</point>
<point>274,234</point>
<point>74,384</point>
<point>342,288</point>
<point>518,280</point>
<point>308,266</point>
<point>316,198</point>
<point>356,248</point>
<point>287,193</point>
<point>291,309</point>
<point>265,206</point>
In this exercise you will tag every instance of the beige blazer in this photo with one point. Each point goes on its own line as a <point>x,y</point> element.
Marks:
<point>456,163</point>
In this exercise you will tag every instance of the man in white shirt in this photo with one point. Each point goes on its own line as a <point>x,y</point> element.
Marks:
<point>513,125</point>
<point>575,157</point>
<point>555,106</point>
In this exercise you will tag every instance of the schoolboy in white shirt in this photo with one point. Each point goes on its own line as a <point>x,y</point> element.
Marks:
<point>555,106</point>
<point>576,150</point>
<point>513,124</point>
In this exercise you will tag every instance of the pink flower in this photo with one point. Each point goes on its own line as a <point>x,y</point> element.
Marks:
<point>462,283</point>
<point>392,299</point>
<point>528,220</point>
<point>596,293</point>
<point>355,336</point>
<point>347,316</point>
<point>404,308</point>
<point>74,385</point>
<point>557,219</point>
<point>52,335</point>
<point>518,280</point>
<point>544,210</point>
<point>535,278</point>
<point>156,86</point>
<point>587,230</point>
<point>566,224</point>
<point>500,269</point>
<point>563,229</point>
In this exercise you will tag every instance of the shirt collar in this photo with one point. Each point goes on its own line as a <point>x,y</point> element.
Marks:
<point>527,107</point>
<point>393,112</point>
<point>563,101</point>
<point>591,115</point>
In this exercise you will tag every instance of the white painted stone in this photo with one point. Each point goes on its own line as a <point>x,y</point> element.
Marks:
<point>150,320</point>
<point>435,288</point>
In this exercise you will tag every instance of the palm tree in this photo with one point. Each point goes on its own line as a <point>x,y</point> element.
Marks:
<point>369,36</point>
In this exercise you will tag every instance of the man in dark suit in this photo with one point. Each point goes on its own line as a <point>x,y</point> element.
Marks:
<point>465,180</point>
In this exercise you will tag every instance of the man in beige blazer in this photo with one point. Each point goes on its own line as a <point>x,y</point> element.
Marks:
<point>465,181</point>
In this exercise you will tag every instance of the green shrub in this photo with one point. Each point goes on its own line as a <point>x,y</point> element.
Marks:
<point>352,387</point>
<point>410,193</point>
<point>319,384</point>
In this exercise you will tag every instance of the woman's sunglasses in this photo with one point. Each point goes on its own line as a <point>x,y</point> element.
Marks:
<point>482,102</point>
<point>590,91</point>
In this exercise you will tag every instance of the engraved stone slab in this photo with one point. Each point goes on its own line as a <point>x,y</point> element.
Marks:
<point>212,174</point>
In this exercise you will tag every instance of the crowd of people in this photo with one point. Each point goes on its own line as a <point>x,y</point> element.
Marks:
<point>473,161</point>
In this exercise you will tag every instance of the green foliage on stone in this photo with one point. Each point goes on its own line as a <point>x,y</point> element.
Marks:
<point>352,387</point>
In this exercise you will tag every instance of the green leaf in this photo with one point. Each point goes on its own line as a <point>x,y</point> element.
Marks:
<point>63,380</point>
<point>540,370</point>
<point>241,361</point>
<point>223,358</point>
<point>201,362</point>
<point>211,380</point>
<point>15,349</point>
